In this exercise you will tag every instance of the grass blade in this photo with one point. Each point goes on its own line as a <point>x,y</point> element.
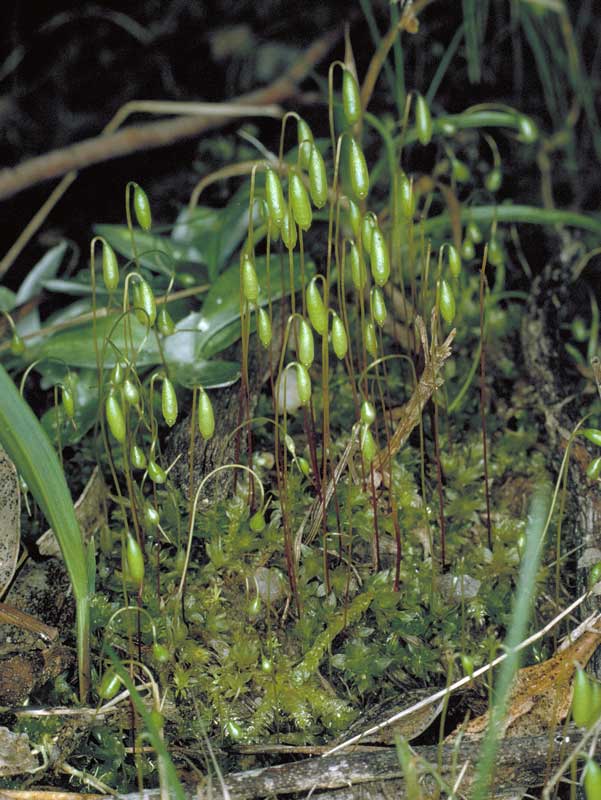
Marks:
<point>517,633</point>
<point>30,450</point>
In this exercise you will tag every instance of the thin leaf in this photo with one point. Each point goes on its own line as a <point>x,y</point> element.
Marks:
<point>46,268</point>
<point>29,448</point>
<point>472,25</point>
<point>75,347</point>
<point>169,780</point>
<point>8,299</point>
<point>157,253</point>
<point>73,287</point>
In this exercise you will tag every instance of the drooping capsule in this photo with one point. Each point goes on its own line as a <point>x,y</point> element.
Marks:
<point>358,170</point>
<point>351,98</point>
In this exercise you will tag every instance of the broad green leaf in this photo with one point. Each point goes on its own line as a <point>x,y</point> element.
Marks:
<point>213,374</point>
<point>75,286</point>
<point>8,299</point>
<point>219,318</point>
<point>86,404</point>
<point>30,450</point>
<point>46,268</point>
<point>75,347</point>
<point>157,253</point>
<point>214,234</point>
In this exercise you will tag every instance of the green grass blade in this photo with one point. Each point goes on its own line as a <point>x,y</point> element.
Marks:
<point>171,783</point>
<point>30,450</point>
<point>472,45</point>
<point>517,633</point>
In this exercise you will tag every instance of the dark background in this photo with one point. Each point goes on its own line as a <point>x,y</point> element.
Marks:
<point>67,67</point>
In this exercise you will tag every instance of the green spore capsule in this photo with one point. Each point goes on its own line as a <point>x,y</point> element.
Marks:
<point>156,473</point>
<point>142,208</point>
<point>594,469</point>
<point>233,731</point>
<point>303,465</point>
<point>318,179</point>
<point>274,196</point>
<point>368,412</point>
<point>17,345</point>
<point>144,303</point>
<point>306,350</point>
<point>358,271</point>
<point>303,384</point>
<point>528,132</point>
<point>454,261</point>
<point>68,401</point>
<point>592,434</point>
<point>110,267</point>
<point>165,324</point>
<point>594,575</point>
<point>368,445</point>
<point>581,698</point>
<point>299,201</point>
<point>380,260</point>
<point>339,337</point>
<point>493,180</point>
<point>378,306</point>
<point>264,327</point>
<point>250,282</point>
<point>354,214</point>
<point>468,251</point>
<point>473,232</point>
<point>131,392</point>
<point>254,607</point>
<point>137,457</point>
<point>169,402</point>
<point>496,256</point>
<point>351,98</point>
<point>460,171</point>
<point>115,418</point>
<point>206,416</point>
<point>118,373</point>
<point>579,329</point>
<point>370,339</point>
<point>368,224</point>
<point>467,664</point>
<point>423,120</point>
<point>305,142</point>
<point>160,654</point>
<point>406,197</point>
<point>447,302</point>
<point>257,522</point>
<point>358,170</point>
<point>151,517</point>
<point>134,560</point>
<point>288,230</point>
<point>316,308</point>
<point>592,780</point>
<point>109,685</point>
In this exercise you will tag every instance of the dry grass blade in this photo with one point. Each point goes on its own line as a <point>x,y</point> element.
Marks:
<point>430,380</point>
